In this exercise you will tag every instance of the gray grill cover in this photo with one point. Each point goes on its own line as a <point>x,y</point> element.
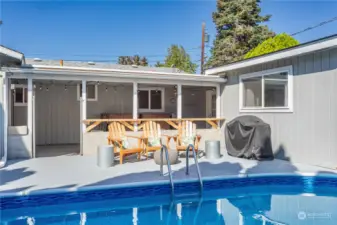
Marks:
<point>248,137</point>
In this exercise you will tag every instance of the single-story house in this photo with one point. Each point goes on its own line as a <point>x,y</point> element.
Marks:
<point>46,104</point>
<point>295,91</point>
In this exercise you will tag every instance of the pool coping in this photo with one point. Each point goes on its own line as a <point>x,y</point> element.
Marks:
<point>161,182</point>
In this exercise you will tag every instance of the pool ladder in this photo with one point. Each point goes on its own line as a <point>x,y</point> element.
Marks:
<point>164,149</point>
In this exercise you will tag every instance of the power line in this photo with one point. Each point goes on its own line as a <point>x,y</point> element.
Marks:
<point>318,25</point>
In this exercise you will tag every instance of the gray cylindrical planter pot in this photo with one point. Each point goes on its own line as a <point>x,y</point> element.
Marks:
<point>212,149</point>
<point>105,156</point>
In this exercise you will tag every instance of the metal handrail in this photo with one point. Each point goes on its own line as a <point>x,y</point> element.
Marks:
<point>164,148</point>
<point>190,146</point>
<point>195,221</point>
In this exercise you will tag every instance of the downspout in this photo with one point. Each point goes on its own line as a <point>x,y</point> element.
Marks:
<point>5,107</point>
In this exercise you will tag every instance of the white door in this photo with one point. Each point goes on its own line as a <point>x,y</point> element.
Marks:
<point>210,105</point>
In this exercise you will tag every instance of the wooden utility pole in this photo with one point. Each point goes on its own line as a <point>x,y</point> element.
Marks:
<point>202,48</point>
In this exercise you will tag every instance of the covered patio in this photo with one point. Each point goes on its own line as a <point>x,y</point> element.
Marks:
<point>61,110</point>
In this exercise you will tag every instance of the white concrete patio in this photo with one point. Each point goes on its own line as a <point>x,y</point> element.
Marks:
<point>69,173</point>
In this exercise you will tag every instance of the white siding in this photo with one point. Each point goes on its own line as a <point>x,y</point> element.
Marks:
<point>1,119</point>
<point>309,133</point>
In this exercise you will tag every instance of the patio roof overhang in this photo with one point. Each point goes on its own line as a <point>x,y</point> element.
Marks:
<point>110,75</point>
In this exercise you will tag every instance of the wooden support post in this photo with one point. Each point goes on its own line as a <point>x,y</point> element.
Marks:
<point>135,105</point>
<point>30,113</point>
<point>172,124</point>
<point>179,101</point>
<point>4,148</point>
<point>9,102</point>
<point>84,105</point>
<point>214,125</point>
<point>218,103</point>
<point>92,126</point>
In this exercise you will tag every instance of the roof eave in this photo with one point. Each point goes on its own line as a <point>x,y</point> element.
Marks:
<point>117,74</point>
<point>11,53</point>
<point>296,51</point>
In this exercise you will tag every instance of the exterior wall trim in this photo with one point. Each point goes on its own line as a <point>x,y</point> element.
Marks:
<point>288,109</point>
<point>162,99</point>
<point>88,99</point>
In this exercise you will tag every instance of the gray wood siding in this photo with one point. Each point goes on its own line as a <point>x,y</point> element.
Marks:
<point>2,135</point>
<point>58,111</point>
<point>57,115</point>
<point>309,134</point>
<point>19,115</point>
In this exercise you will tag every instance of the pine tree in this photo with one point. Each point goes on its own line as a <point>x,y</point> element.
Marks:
<point>143,61</point>
<point>136,60</point>
<point>121,60</point>
<point>239,29</point>
<point>133,60</point>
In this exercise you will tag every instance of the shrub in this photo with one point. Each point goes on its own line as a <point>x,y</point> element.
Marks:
<point>280,41</point>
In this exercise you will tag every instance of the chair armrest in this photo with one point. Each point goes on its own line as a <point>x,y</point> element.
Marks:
<point>168,136</point>
<point>130,136</point>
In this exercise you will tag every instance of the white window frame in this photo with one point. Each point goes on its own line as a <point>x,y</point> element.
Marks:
<point>149,89</point>
<point>88,99</point>
<point>23,86</point>
<point>289,108</point>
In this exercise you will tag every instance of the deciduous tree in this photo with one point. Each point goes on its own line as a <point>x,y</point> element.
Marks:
<point>177,57</point>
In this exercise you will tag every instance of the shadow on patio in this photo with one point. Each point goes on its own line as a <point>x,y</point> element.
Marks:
<point>8,175</point>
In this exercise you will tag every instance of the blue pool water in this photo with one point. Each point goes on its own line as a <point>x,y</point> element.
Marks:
<point>241,201</point>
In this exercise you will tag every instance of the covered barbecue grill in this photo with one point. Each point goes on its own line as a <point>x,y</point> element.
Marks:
<point>249,137</point>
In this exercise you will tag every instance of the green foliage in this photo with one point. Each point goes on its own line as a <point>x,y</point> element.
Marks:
<point>143,61</point>
<point>280,41</point>
<point>239,29</point>
<point>133,60</point>
<point>159,64</point>
<point>177,57</point>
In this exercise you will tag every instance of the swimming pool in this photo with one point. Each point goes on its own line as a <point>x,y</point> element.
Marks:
<point>250,200</point>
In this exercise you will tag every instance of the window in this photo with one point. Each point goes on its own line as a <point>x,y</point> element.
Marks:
<point>20,95</point>
<point>269,90</point>
<point>151,99</point>
<point>91,92</point>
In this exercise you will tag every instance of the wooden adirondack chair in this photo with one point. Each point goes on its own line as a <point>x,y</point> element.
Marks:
<point>185,129</point>
<point>118,138</point>
<point>151,130</point>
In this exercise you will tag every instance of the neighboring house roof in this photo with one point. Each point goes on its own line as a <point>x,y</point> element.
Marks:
<point>9,56</point>
<point>99,65</point>
<point>316,45</point>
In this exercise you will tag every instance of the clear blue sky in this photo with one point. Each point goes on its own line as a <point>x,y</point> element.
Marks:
<point>103,30</point>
